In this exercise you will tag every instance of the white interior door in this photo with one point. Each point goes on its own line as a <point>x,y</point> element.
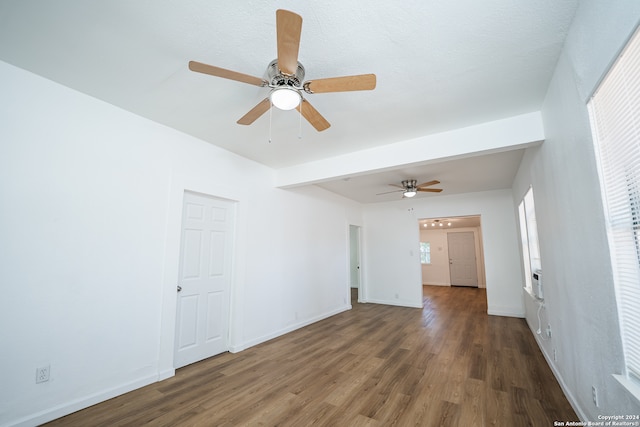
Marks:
<point>202,322</point>
<point>462,259</point>
<point>354,255</point>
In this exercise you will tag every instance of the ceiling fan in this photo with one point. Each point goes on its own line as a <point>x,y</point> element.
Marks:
<point>286,76</point>
<point>410,188</point>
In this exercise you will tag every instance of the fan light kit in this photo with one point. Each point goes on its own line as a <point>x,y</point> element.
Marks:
<point>285,98</point>
<point>286,76</point>
<point>410,188</point>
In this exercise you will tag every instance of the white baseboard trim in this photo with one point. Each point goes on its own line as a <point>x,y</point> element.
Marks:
<point>394,302</point>
<point>506,312</point>
<point>567,392</point>
<point>248,344</point>
<point>163,375</point>
<point>81,403</point>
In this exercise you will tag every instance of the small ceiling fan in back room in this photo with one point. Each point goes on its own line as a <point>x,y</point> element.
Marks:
<point>286,76</point>
<point>410,188</point>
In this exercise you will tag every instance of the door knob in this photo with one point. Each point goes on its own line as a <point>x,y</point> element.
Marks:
<point>179,288</point>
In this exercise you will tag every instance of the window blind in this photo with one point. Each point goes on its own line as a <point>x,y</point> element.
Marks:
<point>532,230</point>
<point>526,259</point>
<point>615,118</point>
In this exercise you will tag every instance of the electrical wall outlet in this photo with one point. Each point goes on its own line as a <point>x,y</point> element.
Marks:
<point>42,374</point>
<point>594,395</point>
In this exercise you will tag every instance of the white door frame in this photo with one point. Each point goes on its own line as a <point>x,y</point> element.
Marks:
<point>451,234</point>
<point>205,346</point>
<point>208,186</point>
<point>358,247</point>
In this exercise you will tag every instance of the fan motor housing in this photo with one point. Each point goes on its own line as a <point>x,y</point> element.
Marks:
<point>410,184</point>
<point>277,78</point>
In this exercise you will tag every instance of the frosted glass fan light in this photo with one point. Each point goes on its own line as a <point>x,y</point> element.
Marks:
<point>285,98</point>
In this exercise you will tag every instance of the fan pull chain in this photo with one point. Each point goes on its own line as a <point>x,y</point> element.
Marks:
<point>270,117</point>
<point>300,121</point>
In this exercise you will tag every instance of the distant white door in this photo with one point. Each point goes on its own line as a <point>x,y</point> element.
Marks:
<point>354,255</point>
<point>462,259</point>
<point>202,322</point>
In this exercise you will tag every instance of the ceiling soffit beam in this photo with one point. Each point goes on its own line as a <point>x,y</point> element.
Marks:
<point>491,137</point>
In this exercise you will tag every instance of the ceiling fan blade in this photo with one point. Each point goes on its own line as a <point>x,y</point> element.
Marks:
<point>427,184</point>
<point>389,192</point>
<point>342,84</point>
<point>262,107</point>
<point>312,116</point>
<point>288,27</point>
<point>225,74</point>
<point>429,190</point>
<point>396,185</point>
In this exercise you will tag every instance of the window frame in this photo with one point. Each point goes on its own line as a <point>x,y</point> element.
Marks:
<point>615,127</point>
<point>529,239</point>
<point>425,255</point>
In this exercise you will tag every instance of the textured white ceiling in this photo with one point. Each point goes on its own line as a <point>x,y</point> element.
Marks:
<point>440,65</point>
<point>479,173</point>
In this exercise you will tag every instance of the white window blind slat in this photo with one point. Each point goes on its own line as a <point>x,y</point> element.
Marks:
<point>615,118</point>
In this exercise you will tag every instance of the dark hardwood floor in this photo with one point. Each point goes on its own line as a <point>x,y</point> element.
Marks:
<point>449,364</point>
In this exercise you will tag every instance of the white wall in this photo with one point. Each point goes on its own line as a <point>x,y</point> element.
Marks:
<point>90,205</point>
<point>392,253</point>
<point>580,302</point>
<point>437,273</point>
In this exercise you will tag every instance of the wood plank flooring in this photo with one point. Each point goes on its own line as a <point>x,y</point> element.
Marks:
<point>449,364</point>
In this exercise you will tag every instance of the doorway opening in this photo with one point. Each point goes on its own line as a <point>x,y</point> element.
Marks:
<point>451,251</point>
<point>355,279</point>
